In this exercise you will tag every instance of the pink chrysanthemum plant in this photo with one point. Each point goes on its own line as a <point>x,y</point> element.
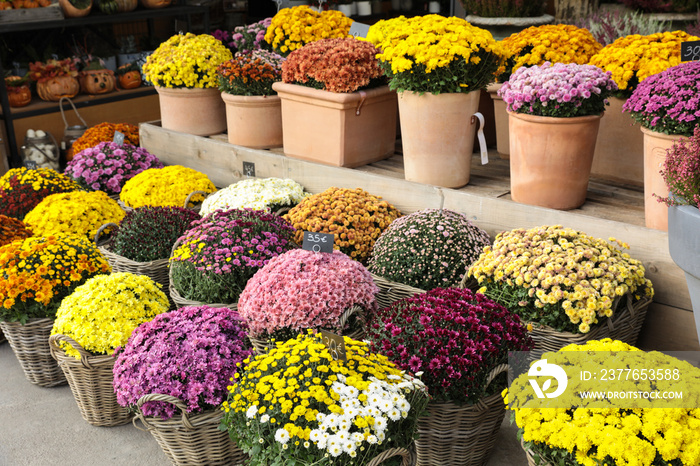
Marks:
<point>558,90</point>
<point>301,290</point>
<point>191,353</point>
<point>454,336</point>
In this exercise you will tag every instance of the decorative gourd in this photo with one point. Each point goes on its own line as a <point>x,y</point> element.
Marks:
<point>126,5</point>
<point>129,76</point>
<point>152,4</point>
<point>61,86</point>
<point>18,94</point>
<point>77,10</point>
<point>97,81</point>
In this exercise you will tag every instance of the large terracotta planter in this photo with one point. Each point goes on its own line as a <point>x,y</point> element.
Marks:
<point>619,151</point>
<point>501,120</point>
<point>192,110</point>
<point>254,121</point>
<point>345,130</point>
<point>684,246</point>
<point>655,146</point>
<point>437,136</point>
<point>550,159</point>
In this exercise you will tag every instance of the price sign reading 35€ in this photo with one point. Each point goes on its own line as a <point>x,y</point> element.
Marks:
<point>318,242</point>
<point>335,344</point>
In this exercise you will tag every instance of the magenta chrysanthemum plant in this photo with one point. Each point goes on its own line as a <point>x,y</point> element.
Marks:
<point>190,353</point>
<point>222,251</point>
<point>108,165</point>
<point>681,172</point>
<point>428,249</point>
<point>558,90</point>
<point>668,102</point>
<point>452,335</point>
<point>302,289</point>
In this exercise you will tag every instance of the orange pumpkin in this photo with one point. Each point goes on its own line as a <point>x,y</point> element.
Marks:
<point>152,4</point>
<point>20,96</point>
<point>61,86</point>
<point>97,81</point>
<point>130,80</point>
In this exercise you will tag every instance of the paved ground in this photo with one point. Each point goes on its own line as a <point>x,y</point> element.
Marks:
<point>43,427</point>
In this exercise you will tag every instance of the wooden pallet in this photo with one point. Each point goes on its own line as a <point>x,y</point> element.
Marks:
<point>611,210</point>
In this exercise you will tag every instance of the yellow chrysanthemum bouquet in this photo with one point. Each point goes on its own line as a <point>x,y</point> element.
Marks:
<point>298,404</point>
<point>631,430</point>
<point>435,54</point>
<point>559,277</point>
<point>186,60</point>
<point>168,186</point>
<point>292,28</point>
<point>554,43</point>
<point>631,59</point>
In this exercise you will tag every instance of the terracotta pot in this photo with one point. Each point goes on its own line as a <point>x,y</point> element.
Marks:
<point>550,159</point>
<point>192,110</point>
<point>619,151</point>
<point>95,82</point>
<point>53,89</point>
<point>69,11</point>
<point>438,137</point>
<point>655,146</point>
<point>254,121</point>
<point>345,130</point>
<point>501,119</point>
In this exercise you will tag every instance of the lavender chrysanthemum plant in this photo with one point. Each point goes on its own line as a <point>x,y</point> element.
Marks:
<point>108,165</point>
<point>190,353</point>
<point>559,90</point>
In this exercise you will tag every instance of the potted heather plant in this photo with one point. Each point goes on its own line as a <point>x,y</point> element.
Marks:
<point>435,78</point>
<point>681,173</point>
<point>173,185</point>
<point>554,112</point>
<point>566,284</point>
<point>427,249</point>
<point>174,371</point>
<point>665,104</point>
<point>183,71</point>
<point>108,165</point>
<point>246,38</point>
<point>22,189</point>
<point>274,195</point>
<point>631,59</point>
<point>354,216</point>
<point>253,109</point>
<point>459,342</point>
<point>300,290</point>
<point>214,259</point>
<point>49,268</point>
<point>336,108</point>
<point>91,323</point>
<point>362,411</point>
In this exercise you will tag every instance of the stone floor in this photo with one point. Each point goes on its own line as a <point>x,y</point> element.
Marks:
<point>42,426</point>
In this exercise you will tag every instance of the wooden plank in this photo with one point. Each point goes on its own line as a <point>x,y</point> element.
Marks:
<point>668,328</point>
<point>28,15</point>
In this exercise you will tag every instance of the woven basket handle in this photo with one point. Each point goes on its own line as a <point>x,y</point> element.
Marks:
<point>390,453</point>
<point>191,195</point>
<point>348,313</point>
<point>103,228</point>
<point>283,210</point>
<point>495,372</point>
<point>60,105</point>
<point>55,349</point>
<point>166,399</point>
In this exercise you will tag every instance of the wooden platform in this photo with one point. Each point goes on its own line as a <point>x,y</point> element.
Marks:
<point>611,210</point>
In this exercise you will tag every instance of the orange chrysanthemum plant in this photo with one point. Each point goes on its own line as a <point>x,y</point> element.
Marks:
<point>250,73</point>
<point>104,132</point>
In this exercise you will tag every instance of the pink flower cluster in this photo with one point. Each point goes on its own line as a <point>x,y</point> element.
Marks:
<point>246,38</point>
<point>302,289</point>
<point>668,102</point>
<point>108,165</point>
<point>559,90</point>
<point>681,172</point>
<point>456,337</point>
<point>190,353</point>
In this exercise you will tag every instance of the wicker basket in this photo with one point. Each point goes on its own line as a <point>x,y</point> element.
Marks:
<point>191,439</point>
<point>262,346</point>
<point>530,455</point>
<point>30,344</point>
<point>389,291</point>
<point>461,435</point>
<point>90,379</point>
<point>406,457</point>
<point>624,325</point>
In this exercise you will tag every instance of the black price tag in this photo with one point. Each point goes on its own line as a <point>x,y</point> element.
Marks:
<point>118,138</point>
<point>359,29</point>
<point>318,242</point>
<point>690,51</point>
<point>249,169</point>
<point>30,164</point>
<point>335,344</point>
